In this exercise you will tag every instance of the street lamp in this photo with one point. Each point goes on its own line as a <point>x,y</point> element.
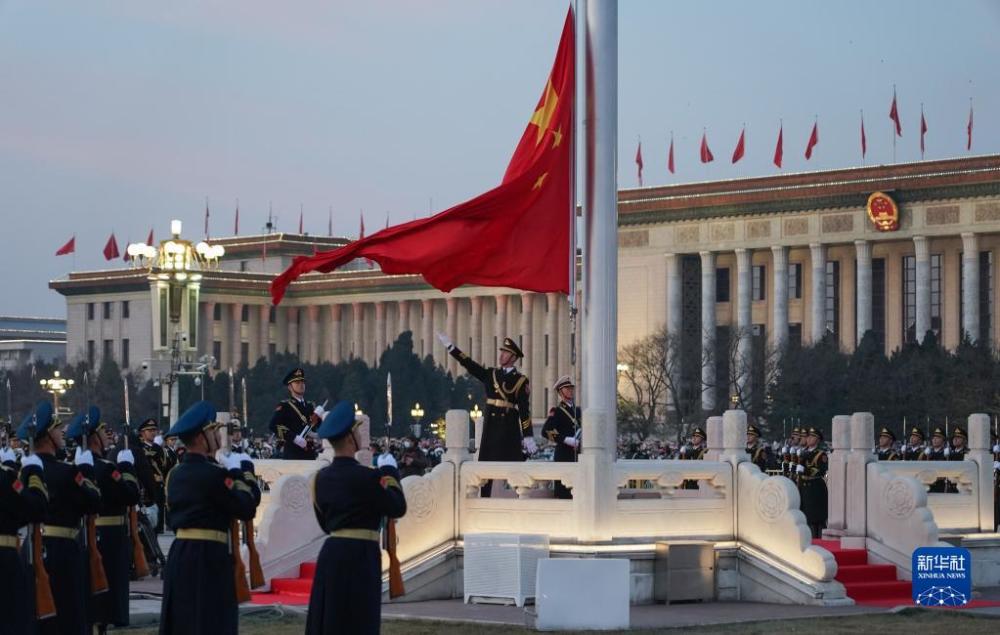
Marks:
<point>56,386</point>
<point>476,413</point>
<point>417,413</point>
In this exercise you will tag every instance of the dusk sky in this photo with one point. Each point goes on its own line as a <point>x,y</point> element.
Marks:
<point>118,116</point>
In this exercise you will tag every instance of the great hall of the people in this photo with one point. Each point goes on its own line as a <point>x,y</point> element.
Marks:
<point>782,259</point>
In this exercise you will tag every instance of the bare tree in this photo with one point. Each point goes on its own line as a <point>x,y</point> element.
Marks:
<point>752,370</point>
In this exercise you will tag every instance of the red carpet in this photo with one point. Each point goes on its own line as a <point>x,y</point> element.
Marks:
<point>289,591</point>
<point>867,584</point>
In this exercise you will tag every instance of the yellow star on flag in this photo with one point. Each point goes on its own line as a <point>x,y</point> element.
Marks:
<point>541,179</point>
<point>543,116</point>
<point>557,137</point>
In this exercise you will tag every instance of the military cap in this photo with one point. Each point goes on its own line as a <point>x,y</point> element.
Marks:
<point>814,432</point>
<point>195,418</point>
<point>296,374</point>
<point>698,432</point>
<point>43,419</point>
<point>149,424</point>
<point>511,346</point>
<point>754,430</point>
<point>917,431</point>
<point>959,432</point>
<point>938,432</point>
<point>338,422</point>
<point>562,382</point>
<point>796,432</point>
<point>85,423</point>
<point>886,432</point>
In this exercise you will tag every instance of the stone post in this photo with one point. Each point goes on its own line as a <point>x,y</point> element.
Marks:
<point>836,479</point>
<point>981,452</point>
<point>713,428</point>
<point>855,499</point>
<point>456,440</point>
<point>733,442</point>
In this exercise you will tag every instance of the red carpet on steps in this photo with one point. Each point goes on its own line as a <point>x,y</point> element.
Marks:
<point>289,591</point>
<point>867,584</point>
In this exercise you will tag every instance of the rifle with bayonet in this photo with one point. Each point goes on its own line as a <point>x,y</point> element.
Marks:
<point>138,553</point>
<point>239,569</point>
<point>256,571</point>
<point>45,604</point>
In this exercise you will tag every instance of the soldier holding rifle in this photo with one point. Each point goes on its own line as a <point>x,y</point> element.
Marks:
<point>294,420</point>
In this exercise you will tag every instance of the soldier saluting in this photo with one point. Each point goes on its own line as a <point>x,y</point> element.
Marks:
<point>507,433</point>
<point>204,497</point>
<point>294,419</point>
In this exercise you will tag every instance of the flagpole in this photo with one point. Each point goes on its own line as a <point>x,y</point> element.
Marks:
<point>571,297</point>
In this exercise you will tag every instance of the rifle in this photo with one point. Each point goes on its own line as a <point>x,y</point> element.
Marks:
<point>239,569</point>
<point>45,604</point>
<point>138,553</point>
<point>98,577</point>
<point>256,571</point>
<point>396,588</point>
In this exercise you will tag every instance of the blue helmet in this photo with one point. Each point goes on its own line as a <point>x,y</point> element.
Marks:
<point>194,419</point>
<point>84,423</point>
<point>338,422</point>
<point>43,419</point>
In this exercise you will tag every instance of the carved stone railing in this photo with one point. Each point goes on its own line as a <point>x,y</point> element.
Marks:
<point>430,512</point>
<point>953,511</point>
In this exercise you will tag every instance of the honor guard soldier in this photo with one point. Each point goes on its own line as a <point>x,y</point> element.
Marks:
<point>885,450</point>
<point>938,450</point>
<point>23,500</point>
<point>914,449</point>
<point>72,495</point>
<point>152,468</point>
<point>563,428</point>
<point>350,501</point>
<point>295,419</point>
<point>203,499</point>
<point>119,490</point>
<point>694,450</point>
<point>238,443</point>
<point>812,468</point>
<point>959,445</point>
<point>760,453</point>
<point>507,433</point>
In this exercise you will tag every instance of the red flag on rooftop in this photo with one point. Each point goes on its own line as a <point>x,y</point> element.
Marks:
<point>894,114</point>
<point>149,239</point>
<point>125,256</point>
<point>864,139</point>
<point>300,220</point>
<point>706,153</point>
<point>968,142</point>
<point>779,148</point>
<point>68,248</point>
<point>923,130</point>
<point>813,140</point>
<point>236,223</point>
<point>670,155</point>
<point>638,162</point>
<point>520,229</point>
<point>206,218</point>
<point>740,146</point>
<point>111,248</point>
<point>361,234</point>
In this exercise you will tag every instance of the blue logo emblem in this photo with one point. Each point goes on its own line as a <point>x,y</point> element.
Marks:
<point>942,576</point>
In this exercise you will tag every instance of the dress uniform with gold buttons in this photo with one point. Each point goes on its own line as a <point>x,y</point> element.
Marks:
<point>938,450</point>
<point>562,428</point>
<point>72,495</point>
<point>760,453</point>
<point>693,451</point>
<point>119,490</point>
<point>152,467</point>
<point>914,449</point>
<point>203,499</point>
<point>885,450</point>
<point>350,501</point>
<point>293,420</point>
<point>813,464</point>
<point>23,500</point>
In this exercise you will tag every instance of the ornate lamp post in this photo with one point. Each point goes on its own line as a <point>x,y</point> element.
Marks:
<point>417,413</point>
<point>175,272</point>
<point>56,386</point>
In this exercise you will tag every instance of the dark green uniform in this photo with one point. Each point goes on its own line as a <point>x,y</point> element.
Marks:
<point>812,488</point>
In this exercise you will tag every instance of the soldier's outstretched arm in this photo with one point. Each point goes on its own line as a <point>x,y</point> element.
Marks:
<point>388,493</point>
<point>469,364</point>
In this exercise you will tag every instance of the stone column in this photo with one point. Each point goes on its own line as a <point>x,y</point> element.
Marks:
<point>526,366</point>
<point>476,332</point>
<point>292,329</point>
<point>743,320</point>
<point>980,451</point>
<point>313,334</point>
<point>714,442</point>
<point>358,331</point>
<point>855,499</point>
<point>970,286</point>
<point>451,330</point>
<point>837,475</point>
<point>336,334</point>
<point>817,253</point>
<point>263,334</point>
<point>205,328</point>
<point>404,317</point>
<point>779,312</point>
<point>380,324</point>
<point>427,326</point>
<point>863,248</point>
<point>501,328</point>
<point>923,275</point>
<point>552,370</point>
<point>674,320</point>
<point>708,330</point>
<point>235,324</point>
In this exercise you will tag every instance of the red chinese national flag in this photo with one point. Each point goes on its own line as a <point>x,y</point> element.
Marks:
<point>111,248</point>
<point>923,131</point>
<point>670,156</point>
<point>813,140</point>
<point>706,153</point>
<point>516,235</point>
<point>740,146</point>
<point>638,161</point>
<point>864,139</point>
<point>894,115</point>
<point>149,239</point>
<point>779,148</point>
<point>68,248</point>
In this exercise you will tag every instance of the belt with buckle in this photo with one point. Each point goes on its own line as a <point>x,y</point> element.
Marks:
<point>110,521</point>
<point>357,534</point>
<point>8,541</point>
<point>54,531</point>
<point>211,535</point>
<point>499,403</point>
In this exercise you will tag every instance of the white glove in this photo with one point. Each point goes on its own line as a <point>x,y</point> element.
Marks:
<point>996,465</point>
<point>947,451</point>
<point>571,442</point>
<point>800,469</point>
<point>784,449</point>
<point>231,461</point>
<point>320,412</point>
<point>245,458</point>
<point>386,459</point>
<point>528,443</point>
<point>83,457</point>
<point>158,440</point>
<point>927,451</point>
<point>125,456</point>
<point>444,339</point>
<point>300,441</point>
<point>7,455</point>
<point>996,448</point>
<point>32,459</point>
